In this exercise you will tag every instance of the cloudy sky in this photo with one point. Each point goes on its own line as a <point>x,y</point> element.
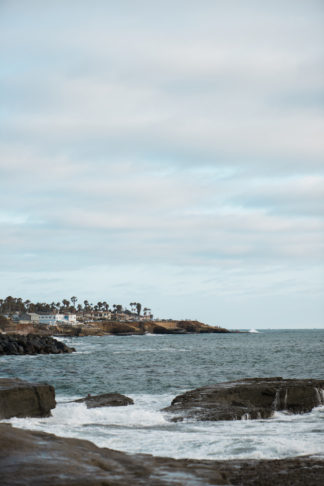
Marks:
<point>167,152</point>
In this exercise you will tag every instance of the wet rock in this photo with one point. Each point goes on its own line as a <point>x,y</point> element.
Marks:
<point>19,398</point>
<point>30,458</point>
<point>31,344</point>
<point>250,398</point>
<point>106,400</point>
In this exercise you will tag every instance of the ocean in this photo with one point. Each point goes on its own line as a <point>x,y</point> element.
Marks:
<point>153,369</point>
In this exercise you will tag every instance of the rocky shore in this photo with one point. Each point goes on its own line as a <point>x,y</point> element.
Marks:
<point>29,458</point>
<point>31,344</point>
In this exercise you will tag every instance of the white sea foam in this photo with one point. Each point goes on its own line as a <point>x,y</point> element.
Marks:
<point>144,428</point>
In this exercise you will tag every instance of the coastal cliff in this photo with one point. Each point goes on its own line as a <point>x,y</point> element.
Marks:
<point>104,327</point>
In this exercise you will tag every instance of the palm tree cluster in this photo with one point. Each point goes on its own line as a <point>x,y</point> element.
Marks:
<point>11,305</point>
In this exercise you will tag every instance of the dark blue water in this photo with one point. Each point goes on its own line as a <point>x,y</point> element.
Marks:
<point>168,363</point>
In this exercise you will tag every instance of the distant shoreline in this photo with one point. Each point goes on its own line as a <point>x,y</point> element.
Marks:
<point>109,327</point>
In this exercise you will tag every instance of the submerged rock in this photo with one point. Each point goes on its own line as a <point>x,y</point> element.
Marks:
<point>31,344</point>
<point>31,458</point>
<point>106,400</point>
<point>19,398</point>
<point>250,398</point>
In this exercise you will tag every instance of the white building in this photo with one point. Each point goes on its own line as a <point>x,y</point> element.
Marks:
<point>53,319</point>
<point>29,317</point>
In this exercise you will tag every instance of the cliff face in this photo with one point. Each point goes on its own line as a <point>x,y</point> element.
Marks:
<point>157,327</point>
<point>100,328</point>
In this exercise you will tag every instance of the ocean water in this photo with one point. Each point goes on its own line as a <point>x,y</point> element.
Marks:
<point>153,369</point>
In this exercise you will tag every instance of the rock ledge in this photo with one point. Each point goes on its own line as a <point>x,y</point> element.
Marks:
<point>251,398</point>
<point>30,458</point>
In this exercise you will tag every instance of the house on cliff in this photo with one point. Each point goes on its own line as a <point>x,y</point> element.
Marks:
<point>53,319</point>
<point>28,318</point>
<point>47,318</point>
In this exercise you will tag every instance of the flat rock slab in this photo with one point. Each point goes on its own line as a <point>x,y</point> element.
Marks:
<point>106,400</point>
<point>20,398</point>
<point>30,458</point>
<point>31,344</point>
<point>251,398</point>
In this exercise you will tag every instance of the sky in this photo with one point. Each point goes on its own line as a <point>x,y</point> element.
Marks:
<point>168,153</point>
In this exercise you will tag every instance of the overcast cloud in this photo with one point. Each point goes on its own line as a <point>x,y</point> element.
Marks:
<point>168,152</point>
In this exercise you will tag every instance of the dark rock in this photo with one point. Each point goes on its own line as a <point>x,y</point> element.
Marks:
<point>164,330</point>
<point>159,330</point>
<point>19,398</point>
<point>30,458</point>
<point>250,398</point>
<point>106,400</point>
<point>31,344</point>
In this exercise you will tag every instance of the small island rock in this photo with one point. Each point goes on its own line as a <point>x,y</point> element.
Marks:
<point>31,344</point>
<point>106,400</point>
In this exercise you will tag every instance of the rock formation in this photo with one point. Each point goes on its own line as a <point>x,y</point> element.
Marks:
<point>30,458</point>
<point>106,400</point>
<point>251,398</point>
<point>19,398</point>
<point>31,344</point>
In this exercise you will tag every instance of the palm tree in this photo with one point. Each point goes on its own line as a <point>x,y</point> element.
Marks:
<point>65,303</point>
<point>74,299</point>
<point>27,304</point>
<point>138,308</point>
<point>20,304</point>
<point>9,301</point>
